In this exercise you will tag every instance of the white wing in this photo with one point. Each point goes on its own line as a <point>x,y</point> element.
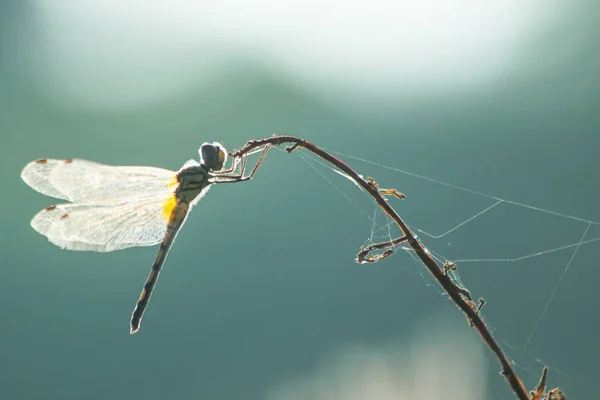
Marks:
<point>82,181</point>
<point>95,227</point>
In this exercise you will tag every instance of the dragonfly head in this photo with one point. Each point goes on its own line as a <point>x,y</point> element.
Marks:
<point>213,155</point>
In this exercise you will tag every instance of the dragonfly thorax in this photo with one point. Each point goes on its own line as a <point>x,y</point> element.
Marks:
<point>192,181</point>
<point>213,155</point>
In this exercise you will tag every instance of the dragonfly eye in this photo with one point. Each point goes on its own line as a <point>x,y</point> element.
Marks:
<point>213,155</point>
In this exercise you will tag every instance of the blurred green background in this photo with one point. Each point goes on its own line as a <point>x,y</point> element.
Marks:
<point>260,297</point>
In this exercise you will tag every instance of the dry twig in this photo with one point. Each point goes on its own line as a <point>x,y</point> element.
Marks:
<point>459,295</point>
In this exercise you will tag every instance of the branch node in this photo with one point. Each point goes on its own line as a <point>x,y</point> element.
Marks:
<point>480,306</point>
<point>449,265</point>
<point>293,147</point>
<point>463,292</point>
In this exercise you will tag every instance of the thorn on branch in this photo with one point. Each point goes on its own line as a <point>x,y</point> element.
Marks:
<point>541,386</point>
<point>386,192</point>
<point>480,306</point>
<point>478,309</point>
<point>293,147</point>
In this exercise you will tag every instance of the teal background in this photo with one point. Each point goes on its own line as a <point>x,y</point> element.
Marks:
<point>261,283</point>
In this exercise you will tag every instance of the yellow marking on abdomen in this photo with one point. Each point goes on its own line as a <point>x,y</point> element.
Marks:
<point>168,207</point>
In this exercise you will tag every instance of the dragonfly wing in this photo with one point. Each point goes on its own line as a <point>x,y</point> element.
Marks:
<point>98,227</point>
<point>82,181</point>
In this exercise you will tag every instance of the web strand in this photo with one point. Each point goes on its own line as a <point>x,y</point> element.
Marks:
<point>305,159</point>
<point>461,224</point>
<point>562,276</point>
<point>450,185</point>
<point>377,227</point>
<point>540,253</point>
<point>538,360</point>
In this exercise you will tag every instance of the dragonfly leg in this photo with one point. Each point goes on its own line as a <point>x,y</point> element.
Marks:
<point>240,176</point>
<point>234,165</point>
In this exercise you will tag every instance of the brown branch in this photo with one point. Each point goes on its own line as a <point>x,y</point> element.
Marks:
<point>459,296</point>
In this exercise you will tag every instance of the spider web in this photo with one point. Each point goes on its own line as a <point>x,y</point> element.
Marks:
<point>504,251</point>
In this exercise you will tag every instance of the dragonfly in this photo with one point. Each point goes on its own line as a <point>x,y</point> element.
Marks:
<point>116,207</point>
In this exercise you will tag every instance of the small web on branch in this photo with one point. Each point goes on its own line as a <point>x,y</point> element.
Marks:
<point>538,242</point>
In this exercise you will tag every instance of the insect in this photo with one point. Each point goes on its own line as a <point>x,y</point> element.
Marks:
<point>116,207</point>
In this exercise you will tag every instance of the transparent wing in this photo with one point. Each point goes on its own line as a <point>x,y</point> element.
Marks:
<point>98,227</point>
<point>82,181</point>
